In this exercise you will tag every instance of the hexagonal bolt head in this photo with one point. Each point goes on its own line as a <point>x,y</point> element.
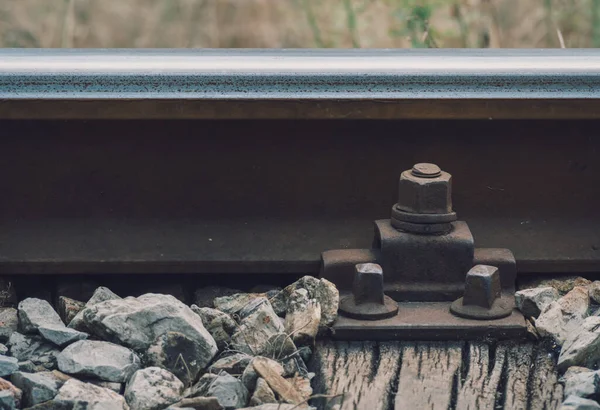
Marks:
<point>368,284</point>
<point>482,286</point>
<point>425,189</point>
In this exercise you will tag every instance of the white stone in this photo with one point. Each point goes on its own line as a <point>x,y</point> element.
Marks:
<point>104,360</point>
<point>258,323</point>
<point>322,290</point>
<point>584,384</point>
<point>101,294</point>
<point>234,303</point>
<point>9,323</point>
<point>564,317</point>
<point>153,388</point>
<point>34,313</point>
<point>219,324</point>
<point>532,301</point>
<point>7,400</point>
<point>34,349</point>
<point>137,322</point>
<point>230,392</point>
<point>178,354</point>
<point>250,376</point>
<point>578,403</point>
<point>61,335</point>
<point>86,396</point>
<point>262,393</point>
<point>582,347</point>
<point>302,318</point>
<point>234,364</point>
<point>8,365</point>
<point>37,387</point>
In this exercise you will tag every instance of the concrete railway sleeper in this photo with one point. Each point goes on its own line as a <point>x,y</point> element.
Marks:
<point>194,229</point>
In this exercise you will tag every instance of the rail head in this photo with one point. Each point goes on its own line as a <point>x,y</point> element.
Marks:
<point>143,83</point>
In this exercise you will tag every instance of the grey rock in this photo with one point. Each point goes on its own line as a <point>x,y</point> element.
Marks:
<point>178,354</point>
<point>582,383</point>
<point>9,389</point>
<point>295,367</point>
<point>86,396</point>
<point>531,302</point>
<point>220,325</point>
<point>305,353</point>
<point>234,364</point>
<point>8,365</point>
<point>204,297</point>
<point>278,347</point>
<point>257,326</point>
<point>301,384</point>
<point>166,288</point>
<point>579,403</point>
<point>34,349</point>
<point>153,388</point>
<point>302,318</point>
<point>322,290</point>
<point>137,322</point>
<point>7,400</point>
<point>114,386</point>
<point>329,299</point>
<point>230,392</point>
<point>37,387</point>
<point>263,394</point>
<point>9,323</point>
<point>201,386</point>
<point>566,284</point>
<point>278,406</point>
<point>103,360</point>
<point>564,317</point>
<point>235,303</point>
<point>29,367</point>
<point>57,405</point>
<point>594,291</point>
<point>582,347</point>
<point>8,293</point>
<point>100,295</point>
<point>34,313</point>
<point>61,335</point>
<point>250,376</point>
<point>198,403</point>
<point>69,308</point>
<point>3,349</point>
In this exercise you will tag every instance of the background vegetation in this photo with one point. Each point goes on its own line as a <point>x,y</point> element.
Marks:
<point>300,23</point>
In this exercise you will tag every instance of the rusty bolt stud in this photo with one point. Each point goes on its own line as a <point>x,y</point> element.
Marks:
<point>483,297</point>
<point>424,200</point>
<point>368,302</point>
<point>425,189</point>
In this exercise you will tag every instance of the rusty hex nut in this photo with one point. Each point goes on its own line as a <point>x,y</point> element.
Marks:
<point>425,194</point>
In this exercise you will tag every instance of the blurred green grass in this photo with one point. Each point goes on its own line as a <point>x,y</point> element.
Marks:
<point>300,23</point>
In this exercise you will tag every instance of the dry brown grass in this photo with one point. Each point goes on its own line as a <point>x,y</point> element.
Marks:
<point>299,23</point>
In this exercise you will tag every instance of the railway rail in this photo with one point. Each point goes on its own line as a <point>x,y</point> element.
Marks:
<point>257,164</point>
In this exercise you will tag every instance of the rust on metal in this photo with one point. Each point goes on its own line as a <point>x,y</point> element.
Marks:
<point>368,301</point>
<point>427,256</point>
<point>483,298</point>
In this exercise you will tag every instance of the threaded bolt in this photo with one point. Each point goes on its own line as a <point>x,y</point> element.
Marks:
<point>426,170</point>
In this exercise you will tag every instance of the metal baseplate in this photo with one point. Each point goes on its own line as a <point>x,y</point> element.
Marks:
<point>437,285</point>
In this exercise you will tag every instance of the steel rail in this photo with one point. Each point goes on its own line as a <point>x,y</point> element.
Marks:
<point>348,83</point>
